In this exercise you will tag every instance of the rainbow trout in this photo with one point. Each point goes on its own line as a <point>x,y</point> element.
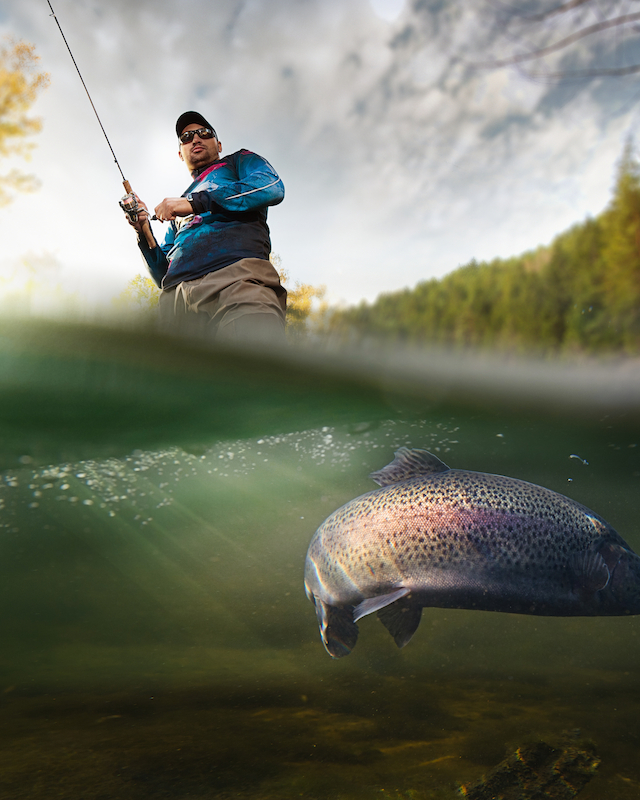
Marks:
<point>450,538</point>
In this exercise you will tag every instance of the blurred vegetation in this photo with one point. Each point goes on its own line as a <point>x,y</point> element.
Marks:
<point>141,295</point>
<point>302,313</point>
<point>580,293</point>
<point>20,83</point>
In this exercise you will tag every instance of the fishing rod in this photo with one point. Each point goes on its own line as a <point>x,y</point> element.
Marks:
<point>129,203</point>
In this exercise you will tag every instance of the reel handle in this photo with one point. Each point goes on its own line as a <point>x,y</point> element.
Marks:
<point>129,205</point>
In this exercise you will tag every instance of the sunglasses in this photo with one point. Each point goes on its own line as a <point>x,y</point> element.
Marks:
<point>203,133</point>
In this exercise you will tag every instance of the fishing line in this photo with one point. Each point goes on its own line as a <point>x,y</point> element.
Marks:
<point>53,14</point>
<point>129,203</point>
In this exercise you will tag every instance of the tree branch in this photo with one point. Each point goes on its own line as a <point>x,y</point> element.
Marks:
<point>553,48</point>
<point>555,11</point>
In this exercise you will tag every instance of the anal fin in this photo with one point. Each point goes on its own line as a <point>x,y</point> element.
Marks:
<point>401,619</point>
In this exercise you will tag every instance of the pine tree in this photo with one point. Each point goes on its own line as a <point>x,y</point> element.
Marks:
<point>621,255</point>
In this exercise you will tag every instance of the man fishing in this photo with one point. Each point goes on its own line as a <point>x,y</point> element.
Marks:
<point>214,262</point>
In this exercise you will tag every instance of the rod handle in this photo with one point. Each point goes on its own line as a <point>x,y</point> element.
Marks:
<point>148,235</point>
<point>146,228</point>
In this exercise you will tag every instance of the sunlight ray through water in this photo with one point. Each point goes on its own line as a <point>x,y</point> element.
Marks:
<point>157,641</point>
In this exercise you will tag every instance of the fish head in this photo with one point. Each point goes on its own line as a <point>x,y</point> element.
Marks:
<point>324,585</point>
<point>327,570</point>
<point>338,631</point>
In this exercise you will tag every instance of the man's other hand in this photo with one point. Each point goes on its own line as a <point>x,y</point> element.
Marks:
<point>172,207</point>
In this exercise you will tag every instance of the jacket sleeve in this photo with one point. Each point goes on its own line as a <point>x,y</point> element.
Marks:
<point>258,185</point>
<point>156,259</point>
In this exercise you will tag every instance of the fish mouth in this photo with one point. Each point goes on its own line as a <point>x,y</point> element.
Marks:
<point>338,631</point>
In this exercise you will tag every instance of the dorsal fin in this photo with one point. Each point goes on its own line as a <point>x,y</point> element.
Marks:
<point>408,464</point>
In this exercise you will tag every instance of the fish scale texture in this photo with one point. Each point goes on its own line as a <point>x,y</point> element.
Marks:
<point>434,536</point>
<point>456,517</point>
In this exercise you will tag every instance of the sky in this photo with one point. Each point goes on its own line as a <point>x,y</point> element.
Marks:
<point>403,154</point>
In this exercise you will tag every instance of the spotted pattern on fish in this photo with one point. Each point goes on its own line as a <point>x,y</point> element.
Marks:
<point>510,522</point>
<point>463,539</point>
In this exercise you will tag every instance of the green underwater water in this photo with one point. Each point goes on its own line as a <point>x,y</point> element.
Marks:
<point>157,643</point>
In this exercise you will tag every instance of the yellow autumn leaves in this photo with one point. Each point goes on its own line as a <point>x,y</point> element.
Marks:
<point>20,83</point>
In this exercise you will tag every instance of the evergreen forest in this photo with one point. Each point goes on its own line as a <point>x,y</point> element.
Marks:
<point>581,293</point>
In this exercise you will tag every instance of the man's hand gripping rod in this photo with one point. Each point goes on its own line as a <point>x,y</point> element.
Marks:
<point>129,202</point>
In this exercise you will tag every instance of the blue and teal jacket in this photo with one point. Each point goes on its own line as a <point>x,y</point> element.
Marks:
<point>229,200</point>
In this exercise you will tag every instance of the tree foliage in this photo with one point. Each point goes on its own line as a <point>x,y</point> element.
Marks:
<point>142,294</point>
<point>20,83</point>
<point>301,313</point>
<point>582,292</point>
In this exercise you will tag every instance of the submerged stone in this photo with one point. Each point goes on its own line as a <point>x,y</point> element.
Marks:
<point>537,771</point>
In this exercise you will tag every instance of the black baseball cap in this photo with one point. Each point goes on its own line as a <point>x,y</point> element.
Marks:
<point>188,118</point>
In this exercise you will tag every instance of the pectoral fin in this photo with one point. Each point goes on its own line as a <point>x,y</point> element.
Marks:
<point>376,603</point>
<point>590,572</point>
<point>612,553</point>
<point>401,620</point>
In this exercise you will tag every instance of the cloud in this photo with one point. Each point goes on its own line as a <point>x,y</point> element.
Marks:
<point>389,10</point>
<point>400,160</point>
